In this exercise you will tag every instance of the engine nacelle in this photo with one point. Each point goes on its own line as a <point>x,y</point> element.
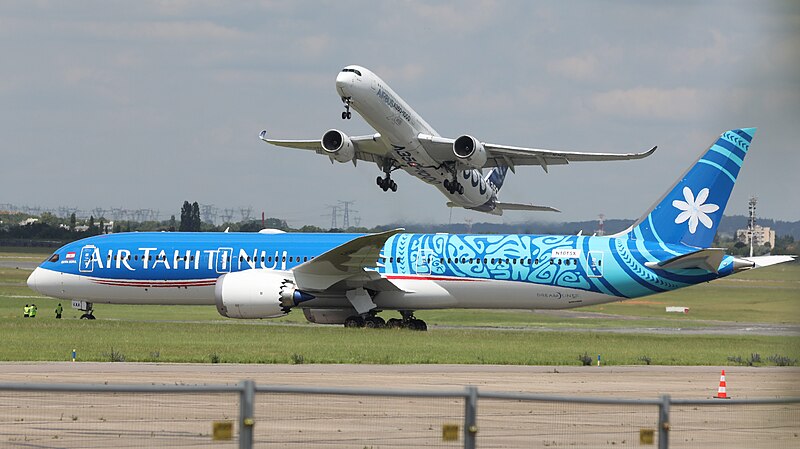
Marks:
<point>338,146</point>
<point>470,151</point>
<point>256,294</point>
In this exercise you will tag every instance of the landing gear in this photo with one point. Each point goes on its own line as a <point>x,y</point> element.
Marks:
<point>372,321</point>
<point>346,114</point>
<point>453,186</point>
<point>88,311</point>
<point>386,182</point>
<point>368,320</point>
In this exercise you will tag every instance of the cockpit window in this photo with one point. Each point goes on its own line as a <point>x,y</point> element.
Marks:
<point>357,72</point>
<point>53,258</point>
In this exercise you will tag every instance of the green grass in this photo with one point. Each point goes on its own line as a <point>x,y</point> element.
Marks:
<point>196,333</point>
<point>35,339</point>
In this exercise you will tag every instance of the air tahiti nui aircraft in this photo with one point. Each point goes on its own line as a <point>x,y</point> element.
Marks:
<point>405,141</point>
<point>348,279</point>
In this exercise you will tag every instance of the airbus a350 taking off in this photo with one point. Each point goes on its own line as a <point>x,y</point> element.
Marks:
<point>405,141</point>
<point>348,278</point>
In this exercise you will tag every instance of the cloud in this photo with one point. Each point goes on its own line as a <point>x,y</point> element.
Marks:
<point>459,18</point>
<point>575,67</point>
<point>652,103</point>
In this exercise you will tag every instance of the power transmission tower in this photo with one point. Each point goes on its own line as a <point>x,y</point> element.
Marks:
<point>601,230</point>
<point>227,215</point>
<point>209,213</point>
<point>246,213</point>
<point>346,214</point>
<point>334,216</point>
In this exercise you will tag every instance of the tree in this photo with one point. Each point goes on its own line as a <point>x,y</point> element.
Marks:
<point>172,223</point>
<point>195,217</point>
<point>72,221</point>
<point>186,217</point>
<point>92,227</point>
<point>102,229</point>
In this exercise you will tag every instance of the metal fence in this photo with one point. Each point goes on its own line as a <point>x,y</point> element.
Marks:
<point>249,415</point>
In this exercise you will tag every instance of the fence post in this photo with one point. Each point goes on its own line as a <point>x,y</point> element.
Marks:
<point>663,422</point>
<point>470,424</point>
<point>246,420</point>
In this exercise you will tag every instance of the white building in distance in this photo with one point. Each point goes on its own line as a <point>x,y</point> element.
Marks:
<point>761,235</point>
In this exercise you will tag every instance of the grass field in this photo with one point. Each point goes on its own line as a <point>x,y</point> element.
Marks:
<point>199,334</point>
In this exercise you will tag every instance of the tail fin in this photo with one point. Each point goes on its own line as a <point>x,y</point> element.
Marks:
<point>690,211</point>
<point>496,177</point>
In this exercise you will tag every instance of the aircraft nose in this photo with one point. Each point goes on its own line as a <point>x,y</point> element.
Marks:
<point>32,279</point>
<point>45,282</point>
<point>344,80</point>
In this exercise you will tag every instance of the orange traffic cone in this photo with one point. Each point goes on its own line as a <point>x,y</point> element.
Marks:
<point>721,393</point>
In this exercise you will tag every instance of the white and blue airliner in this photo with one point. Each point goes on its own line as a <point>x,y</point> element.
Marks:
<point>350,278</point>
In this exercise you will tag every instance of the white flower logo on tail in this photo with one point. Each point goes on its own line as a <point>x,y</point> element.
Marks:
<point>694,210</point>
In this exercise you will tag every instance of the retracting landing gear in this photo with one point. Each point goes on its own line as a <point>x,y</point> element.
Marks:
<point>386,181</point>
<point>346,114</point>
<point>453,186</point>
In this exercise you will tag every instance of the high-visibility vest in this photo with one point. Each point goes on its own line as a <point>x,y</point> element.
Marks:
<point>26,310</point>
<point>32,311</point>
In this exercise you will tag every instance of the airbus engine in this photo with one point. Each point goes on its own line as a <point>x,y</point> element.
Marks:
<point>470,151</point>
<point>338,146</point>
<point>256,294</point>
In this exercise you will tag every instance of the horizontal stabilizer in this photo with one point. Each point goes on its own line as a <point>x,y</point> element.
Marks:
<point>529,207</point>
<point>705,259</point>
<point>765,261</point>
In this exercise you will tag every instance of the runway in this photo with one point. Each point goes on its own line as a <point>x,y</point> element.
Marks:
<point>69,420</point>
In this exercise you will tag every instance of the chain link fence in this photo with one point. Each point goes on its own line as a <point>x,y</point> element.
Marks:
<point>246,416</point>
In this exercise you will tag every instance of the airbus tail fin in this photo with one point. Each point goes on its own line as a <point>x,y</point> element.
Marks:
<point>692,208</point>
<point>496,177</point>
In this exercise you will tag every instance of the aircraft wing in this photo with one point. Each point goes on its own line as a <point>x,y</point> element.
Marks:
<point>368,148</point>
<point>346,264</point>
<point>441,149</point>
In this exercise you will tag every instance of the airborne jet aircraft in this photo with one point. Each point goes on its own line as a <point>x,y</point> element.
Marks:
<point>348,278</point>
<point>405,141</point>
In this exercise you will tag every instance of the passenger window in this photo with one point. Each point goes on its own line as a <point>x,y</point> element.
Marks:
<point>552,261</point>
<point>559,261</point>
<point>305,259</point>
<point>269,259</point>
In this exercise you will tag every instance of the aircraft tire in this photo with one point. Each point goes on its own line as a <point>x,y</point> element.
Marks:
<point>460,189</point>
<point>394,323</point>
<point>344,115</point>
<point>375,322</point>
<point>354,321</point>
<point>348,115</point>
<point>393,186</point>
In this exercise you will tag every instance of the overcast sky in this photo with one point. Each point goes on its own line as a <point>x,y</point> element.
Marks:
<point>146,104</point>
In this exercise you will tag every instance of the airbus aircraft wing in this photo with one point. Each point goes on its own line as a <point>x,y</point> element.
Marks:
<point>367,148</point>
<point>441,149</point>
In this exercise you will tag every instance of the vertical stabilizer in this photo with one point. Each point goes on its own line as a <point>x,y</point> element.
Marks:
<point>690,211</point>
<point>497,176</point>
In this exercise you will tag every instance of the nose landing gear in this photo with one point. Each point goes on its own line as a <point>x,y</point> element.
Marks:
<point>346,114</point>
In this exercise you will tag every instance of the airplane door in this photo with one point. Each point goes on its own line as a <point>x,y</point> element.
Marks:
<point>224,260</point>
<point>594,263</point>
<point>424,259</point>
<point>86,261</point>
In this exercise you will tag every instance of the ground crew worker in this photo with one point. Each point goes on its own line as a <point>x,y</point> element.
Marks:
<point>59,309</point>
<point>26,311</point>
<point>32,311</point>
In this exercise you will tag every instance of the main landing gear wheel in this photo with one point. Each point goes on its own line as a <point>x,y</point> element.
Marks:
<point>386,183</point>
<point>453,186</point>
<point>354,321</point>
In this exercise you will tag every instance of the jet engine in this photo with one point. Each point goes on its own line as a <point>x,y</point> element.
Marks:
<point>470,151</point>
<point>256,294</point>
<point>338,146</point>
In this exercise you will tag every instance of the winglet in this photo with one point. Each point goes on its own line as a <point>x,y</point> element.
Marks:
<point>263,135</point>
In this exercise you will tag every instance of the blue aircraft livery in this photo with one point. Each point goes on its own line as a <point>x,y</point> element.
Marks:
<point>350,278</point>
